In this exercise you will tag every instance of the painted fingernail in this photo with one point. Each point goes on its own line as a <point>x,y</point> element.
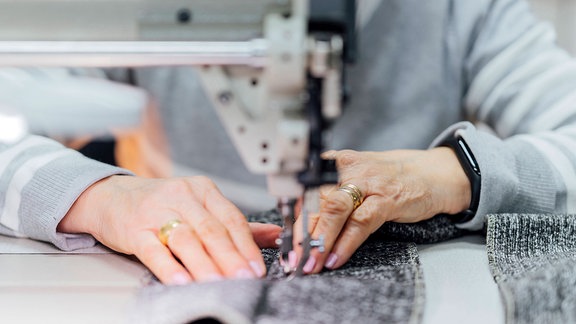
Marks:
<point>257,269</point>
<point>309,266</point>
<point>331,261</point>
<point>181,278</point>
<point>214,277</point>
<point>292,259</point>
<point>244,274</point>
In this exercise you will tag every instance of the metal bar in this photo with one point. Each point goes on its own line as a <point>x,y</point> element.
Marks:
<point>132,53</point>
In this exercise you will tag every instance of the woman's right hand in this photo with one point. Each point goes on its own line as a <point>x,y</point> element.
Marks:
<point>404,186</point>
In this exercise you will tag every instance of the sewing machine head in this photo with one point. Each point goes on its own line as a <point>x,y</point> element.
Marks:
<point>272,68</point>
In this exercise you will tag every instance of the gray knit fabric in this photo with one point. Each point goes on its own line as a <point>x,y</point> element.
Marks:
<point>533,260</point>
<point>436,229</point>
<point>382,283</point>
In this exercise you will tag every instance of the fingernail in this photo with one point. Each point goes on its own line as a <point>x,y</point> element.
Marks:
<point>214,277</point>
<point>181,278</point>
<point>309,266</point>
<point>244,274</point>
<point>257,269</point>
<point>292,259</point>
<point>331,261</point>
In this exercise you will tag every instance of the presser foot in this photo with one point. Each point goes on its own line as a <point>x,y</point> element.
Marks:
<point>308,243</point>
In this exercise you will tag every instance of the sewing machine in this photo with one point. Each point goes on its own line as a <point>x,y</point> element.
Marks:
<point>264,71</point>
<point>273,69</point>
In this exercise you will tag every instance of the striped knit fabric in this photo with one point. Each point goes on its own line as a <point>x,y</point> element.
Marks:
<point>533,260</point>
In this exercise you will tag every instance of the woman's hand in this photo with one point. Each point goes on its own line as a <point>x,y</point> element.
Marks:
<point>213,240</point>
<point>402,186</point>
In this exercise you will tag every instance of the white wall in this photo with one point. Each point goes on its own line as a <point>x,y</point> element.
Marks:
<point>562,13</point>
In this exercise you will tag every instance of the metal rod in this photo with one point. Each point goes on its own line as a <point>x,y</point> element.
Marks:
<point>132,53</point>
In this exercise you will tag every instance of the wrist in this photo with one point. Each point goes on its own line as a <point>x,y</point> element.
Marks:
<point>82,217</point>
<point>453,186</point>
<point>471,170</point>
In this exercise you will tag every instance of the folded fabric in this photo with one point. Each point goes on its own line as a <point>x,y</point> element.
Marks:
<point>533,260</point>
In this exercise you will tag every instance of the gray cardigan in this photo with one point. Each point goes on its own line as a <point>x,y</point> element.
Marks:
<point>425,68</point>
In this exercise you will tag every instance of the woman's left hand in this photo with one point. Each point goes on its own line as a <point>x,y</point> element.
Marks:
<point>403,186</point>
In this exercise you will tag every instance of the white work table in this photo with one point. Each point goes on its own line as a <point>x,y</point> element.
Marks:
<point>459,286</point>
<point>40,284</point>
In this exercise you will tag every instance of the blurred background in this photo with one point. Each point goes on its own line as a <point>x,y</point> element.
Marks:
<point>562,14</point>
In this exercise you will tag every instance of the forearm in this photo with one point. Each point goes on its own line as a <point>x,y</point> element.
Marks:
<point>523,87</point>
<point>41,180</point>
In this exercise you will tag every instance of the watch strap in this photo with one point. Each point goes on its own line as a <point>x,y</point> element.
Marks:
<point>472,170</point>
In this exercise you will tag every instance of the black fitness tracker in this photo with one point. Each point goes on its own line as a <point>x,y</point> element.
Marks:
<point>472,170</point>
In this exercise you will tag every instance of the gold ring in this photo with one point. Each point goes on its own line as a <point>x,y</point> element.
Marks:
<point>165,230</point>
<point>354,193</point>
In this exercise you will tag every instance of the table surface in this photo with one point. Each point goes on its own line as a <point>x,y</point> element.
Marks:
<point>40,284</point>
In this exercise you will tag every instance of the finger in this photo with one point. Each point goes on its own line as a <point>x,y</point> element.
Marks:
<point>265,235</point>
<point>237,228</point>
<point>334,211</point>
<point>326,190</point>
<point>160,260</point>
<point>356,231</point>
<point>329,155</point>
<point>298,238</point>
<point>218,243</point>
<point>312,217</point>
<point>299,230</point>
<point>189,250</point>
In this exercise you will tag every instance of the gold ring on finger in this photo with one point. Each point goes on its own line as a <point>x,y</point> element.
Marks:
<point>354,193</point>
<point>166,229</point>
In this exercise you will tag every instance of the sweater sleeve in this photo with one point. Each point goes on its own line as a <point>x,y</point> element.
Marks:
<point>523,87</point>
<point>39,178</point>
<point>39,181</point>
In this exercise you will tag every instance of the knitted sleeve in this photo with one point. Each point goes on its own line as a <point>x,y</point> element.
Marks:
<point>523,87</point>
<point>39,181</point>
<point>39,178</point>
